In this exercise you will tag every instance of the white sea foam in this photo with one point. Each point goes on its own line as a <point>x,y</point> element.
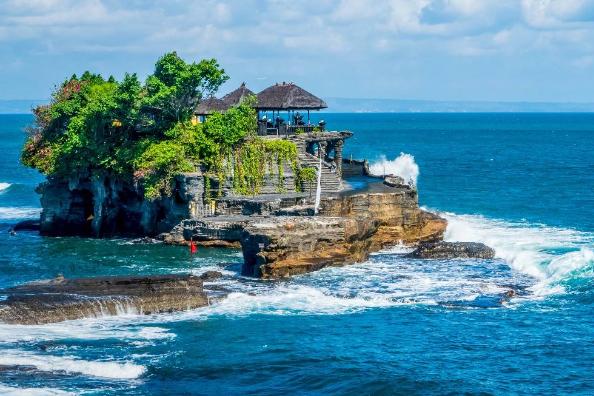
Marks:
<point>570,263</point>
<point>386,280</point>
<point>404,166</point>
<point>43,391</point>
<point>539,257</point>
<point>4,186</point>
<point>68,364</point>
<point>294,299</point>
<point>549,254</point>
<point>18,213</point>
<point>120,328</point>
<point>398,248</point>
<point>204,268</point>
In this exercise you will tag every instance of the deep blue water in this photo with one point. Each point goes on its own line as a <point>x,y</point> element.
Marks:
<point>522,183</point>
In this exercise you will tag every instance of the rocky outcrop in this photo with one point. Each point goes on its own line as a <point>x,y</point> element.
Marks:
<point>420,227</point>
<point>347,229</point>
<point>216,231</point>
<point>277,247</point>
<point>26,225</point>
<point>66,299</point>
<point>292,241</point>
<point>394,181</point>
<point>450,250</point>
<point>395,210</point>
<point>105,206</point>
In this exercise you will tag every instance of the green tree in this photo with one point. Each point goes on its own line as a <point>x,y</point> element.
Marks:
<point>176,87</point>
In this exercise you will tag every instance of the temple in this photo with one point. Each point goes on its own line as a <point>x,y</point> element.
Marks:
<point>284,111</point>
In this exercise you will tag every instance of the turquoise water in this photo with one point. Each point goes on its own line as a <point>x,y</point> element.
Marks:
<point>522,183</point>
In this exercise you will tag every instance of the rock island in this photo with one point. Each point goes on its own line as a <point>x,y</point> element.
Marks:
<point>167,159</point>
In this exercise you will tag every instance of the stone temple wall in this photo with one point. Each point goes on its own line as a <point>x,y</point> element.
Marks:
<point>354,168</point>
<point>270,185</point>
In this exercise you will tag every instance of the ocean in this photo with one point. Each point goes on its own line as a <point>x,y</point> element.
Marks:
<point>521,183</point>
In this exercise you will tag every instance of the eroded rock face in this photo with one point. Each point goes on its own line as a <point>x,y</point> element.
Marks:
<point>450,250</point>
<point>278,247</point>
<point>104,206</point>
<point>396,212</point>
<point>66,299</point>
<point>346,229</point>
<point>217,231</point>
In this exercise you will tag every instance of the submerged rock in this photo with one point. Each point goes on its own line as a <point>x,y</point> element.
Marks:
<point>26,225</point>
<point>66,299</point>
<point>450,250</point>
<point>483,301</point>
<point>209,276</point>
<point>145,241</point>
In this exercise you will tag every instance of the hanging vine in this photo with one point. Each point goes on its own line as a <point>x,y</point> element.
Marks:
<point>257,158</point>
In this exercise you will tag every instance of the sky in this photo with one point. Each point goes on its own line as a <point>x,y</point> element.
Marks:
<point>470,50</point>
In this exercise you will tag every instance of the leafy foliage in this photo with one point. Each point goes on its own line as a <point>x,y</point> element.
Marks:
<point>308,175</point>
<point>257,158</point>
<point>144,132</point>
<point>176,87</point>
<point>159,164</point>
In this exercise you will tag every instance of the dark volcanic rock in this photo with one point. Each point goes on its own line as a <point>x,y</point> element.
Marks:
<point>217,231</point>
<point>66,299</point>
<point>27,225</point>
<point>395,181</point>
<point>209,276</point>
<point>448,250</point>
<point>111,206</point>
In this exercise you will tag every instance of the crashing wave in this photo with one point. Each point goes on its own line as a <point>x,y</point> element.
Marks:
<point>404,166</point>
<point>551,255</point>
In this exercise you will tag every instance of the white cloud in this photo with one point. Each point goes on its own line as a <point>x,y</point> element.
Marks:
<point>277,36</point>
<point>558,14</point>
<point>341,25</point>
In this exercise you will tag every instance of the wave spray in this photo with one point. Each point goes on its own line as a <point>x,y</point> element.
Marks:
<point>404,166</point>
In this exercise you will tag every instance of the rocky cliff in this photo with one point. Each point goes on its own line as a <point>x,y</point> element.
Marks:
<point>276,247</point>
<point>347,229</point>
<point>394,210</point>
<point>106,206</point>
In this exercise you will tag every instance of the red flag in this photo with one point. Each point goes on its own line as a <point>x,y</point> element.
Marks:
<point>193,247</point>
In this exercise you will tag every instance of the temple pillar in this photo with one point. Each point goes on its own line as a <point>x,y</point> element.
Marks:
<point>338,156</point>
<point>322,152</point>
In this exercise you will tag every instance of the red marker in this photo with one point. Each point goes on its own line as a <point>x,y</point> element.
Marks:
<point>193,247</point>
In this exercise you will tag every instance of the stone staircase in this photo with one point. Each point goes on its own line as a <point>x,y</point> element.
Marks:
<point>331,181</point>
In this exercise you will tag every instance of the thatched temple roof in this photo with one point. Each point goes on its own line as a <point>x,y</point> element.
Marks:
<point>285,96</point>
<point>288,96</point>
<point>210,105</point>
<point>234,98</point>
